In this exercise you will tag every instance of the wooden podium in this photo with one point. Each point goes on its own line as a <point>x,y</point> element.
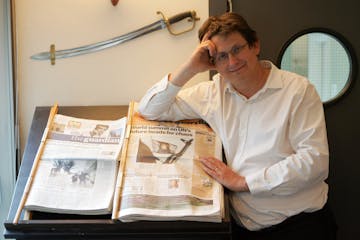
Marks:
<point>64,226</point>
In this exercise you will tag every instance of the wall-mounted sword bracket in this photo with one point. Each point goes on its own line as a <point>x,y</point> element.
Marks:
<point>52,54</point>
<point>174,19</point>
<point>114,2</point>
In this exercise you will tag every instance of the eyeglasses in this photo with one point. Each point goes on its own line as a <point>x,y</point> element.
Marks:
<point>223,57</point>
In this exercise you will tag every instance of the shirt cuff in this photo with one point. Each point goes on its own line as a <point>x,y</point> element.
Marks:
<point>161,86</point>
<point>164,84</point>
<point>257,183</point>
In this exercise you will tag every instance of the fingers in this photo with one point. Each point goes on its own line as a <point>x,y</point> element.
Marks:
<point>212,166</point>
<point>206,37</point>
<point>202,58</point>
<point>224,175</point>
<point>209,45</point>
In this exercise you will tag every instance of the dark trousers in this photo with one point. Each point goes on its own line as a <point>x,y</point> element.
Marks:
<point>319,225</point>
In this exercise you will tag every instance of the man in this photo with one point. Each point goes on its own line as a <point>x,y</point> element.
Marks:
<point>271,123</point>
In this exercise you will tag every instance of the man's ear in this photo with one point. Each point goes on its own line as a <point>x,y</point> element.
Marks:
<point>257,47</point>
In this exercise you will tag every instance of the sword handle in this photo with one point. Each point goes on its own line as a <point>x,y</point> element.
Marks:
<point>178,17</point>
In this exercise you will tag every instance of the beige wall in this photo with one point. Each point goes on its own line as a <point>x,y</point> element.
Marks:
<point>111,77</point>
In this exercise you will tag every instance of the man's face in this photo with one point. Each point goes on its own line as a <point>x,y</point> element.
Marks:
<point>235,59</point>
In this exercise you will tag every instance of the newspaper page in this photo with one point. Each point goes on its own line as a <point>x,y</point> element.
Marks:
<point>77,170</point>
<point>163,179</point>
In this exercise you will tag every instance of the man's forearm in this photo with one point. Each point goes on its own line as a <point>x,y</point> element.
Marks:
<point>181,75</point>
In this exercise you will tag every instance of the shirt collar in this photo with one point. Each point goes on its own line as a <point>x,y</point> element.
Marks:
<point>273,81</point>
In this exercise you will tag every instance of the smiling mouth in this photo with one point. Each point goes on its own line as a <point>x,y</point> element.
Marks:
<point>237,68</point>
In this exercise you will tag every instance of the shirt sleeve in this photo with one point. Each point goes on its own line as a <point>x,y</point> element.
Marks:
<point>161,102</point>
<point>309,164</point>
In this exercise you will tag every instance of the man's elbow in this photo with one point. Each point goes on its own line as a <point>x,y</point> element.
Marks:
<point>147,116</point>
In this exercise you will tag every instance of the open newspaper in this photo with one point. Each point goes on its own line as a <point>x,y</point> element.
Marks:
<point>159,176</point>
<point>78,167</point>
<point>162,177</point>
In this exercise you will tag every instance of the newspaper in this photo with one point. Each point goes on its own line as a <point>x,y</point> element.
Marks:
<point>78,167</point>
<point>163,179</point>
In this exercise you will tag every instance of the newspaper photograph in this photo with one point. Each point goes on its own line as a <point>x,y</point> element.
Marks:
<point>163,179</point>
<point>77,170</point>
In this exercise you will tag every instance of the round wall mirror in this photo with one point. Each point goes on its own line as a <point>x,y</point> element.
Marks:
<point>324,58</point>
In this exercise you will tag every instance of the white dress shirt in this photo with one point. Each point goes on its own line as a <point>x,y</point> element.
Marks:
<point>276,139</point>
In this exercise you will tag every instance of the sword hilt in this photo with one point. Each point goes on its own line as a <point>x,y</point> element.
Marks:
<point>178,17</point>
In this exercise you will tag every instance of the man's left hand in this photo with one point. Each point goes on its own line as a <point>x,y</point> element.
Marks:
<point>224,174</point>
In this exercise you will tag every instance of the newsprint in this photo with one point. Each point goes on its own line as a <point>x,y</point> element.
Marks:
<point>78,168</point>
<point>159,176</point>
<point>163,179</point>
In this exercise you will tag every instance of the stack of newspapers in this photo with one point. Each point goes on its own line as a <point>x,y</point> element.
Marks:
<point>132,168</point>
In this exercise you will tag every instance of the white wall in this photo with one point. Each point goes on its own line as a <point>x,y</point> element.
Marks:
<point>111,77</point>
<point>7,148</point>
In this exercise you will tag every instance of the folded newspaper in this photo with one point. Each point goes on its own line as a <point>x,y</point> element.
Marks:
<point>157,176</point>
<point>78,167</point>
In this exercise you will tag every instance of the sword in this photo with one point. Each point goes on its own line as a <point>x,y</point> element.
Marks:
<point>94,47</point>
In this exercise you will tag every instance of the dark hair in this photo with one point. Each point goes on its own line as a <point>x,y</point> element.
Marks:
<point>228,23</point>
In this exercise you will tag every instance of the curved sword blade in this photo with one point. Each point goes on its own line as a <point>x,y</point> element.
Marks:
<point>90,48</point>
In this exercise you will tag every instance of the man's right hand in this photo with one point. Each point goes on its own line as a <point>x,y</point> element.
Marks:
<point>201,60</point>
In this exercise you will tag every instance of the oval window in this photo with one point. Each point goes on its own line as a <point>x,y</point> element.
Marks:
<point>321,57</point>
